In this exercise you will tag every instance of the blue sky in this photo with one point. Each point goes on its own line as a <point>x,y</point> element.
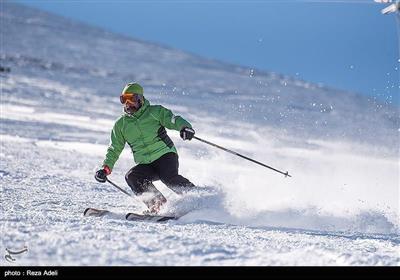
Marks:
<point>343,44</point>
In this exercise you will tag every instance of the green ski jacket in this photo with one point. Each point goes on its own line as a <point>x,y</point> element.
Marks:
<point>145,133</point>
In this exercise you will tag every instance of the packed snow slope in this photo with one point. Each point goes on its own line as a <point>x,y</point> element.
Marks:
<point>60,82</point>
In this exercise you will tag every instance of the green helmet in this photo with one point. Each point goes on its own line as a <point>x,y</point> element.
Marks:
<point>133,88</point>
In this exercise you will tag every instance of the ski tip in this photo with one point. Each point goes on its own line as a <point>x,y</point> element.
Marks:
<point>86,210</point>
<point>94,212</point>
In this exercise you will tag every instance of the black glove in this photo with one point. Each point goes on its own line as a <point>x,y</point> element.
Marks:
<point>101,175</point>
<point>187,133</point>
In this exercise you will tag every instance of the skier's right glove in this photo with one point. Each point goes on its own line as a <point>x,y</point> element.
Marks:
<point>101,175</point>
<point>187,133</point>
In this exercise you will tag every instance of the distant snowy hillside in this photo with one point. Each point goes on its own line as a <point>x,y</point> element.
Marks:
<point>40,44</point>
<point>60,82</point>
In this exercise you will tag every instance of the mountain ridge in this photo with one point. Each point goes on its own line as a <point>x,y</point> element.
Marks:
<point>103,61</point>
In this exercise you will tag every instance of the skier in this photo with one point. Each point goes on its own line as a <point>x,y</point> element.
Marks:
<point>142,126</point>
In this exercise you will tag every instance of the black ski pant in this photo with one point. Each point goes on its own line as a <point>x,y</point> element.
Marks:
<point>141,176</point>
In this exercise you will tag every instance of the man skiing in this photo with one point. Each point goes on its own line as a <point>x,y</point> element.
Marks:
<point>142,126</point>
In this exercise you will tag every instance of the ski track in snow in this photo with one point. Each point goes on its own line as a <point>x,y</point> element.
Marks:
<point>340,208</point>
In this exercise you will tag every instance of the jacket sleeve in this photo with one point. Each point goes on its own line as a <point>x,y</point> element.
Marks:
<point>170,121</point>
<point>117,144</point>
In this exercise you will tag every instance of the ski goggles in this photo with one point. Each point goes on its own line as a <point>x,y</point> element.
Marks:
<point>130,97</point>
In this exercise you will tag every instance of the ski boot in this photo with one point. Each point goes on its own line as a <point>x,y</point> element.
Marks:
<point>154,205</point>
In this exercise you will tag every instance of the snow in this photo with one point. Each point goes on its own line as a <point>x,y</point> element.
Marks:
<point>60,101</point>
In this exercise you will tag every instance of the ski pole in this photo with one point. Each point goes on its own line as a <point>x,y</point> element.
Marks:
<point>124,191</point>
<point>121,189</point>
<point>242,156</point>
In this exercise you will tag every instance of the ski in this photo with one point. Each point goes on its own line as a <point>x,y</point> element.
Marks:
<point>92,212</point>
<point>144,217</point>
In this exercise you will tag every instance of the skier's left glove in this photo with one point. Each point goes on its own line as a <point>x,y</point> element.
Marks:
<point>187,133</point>
<point>101,175</point>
